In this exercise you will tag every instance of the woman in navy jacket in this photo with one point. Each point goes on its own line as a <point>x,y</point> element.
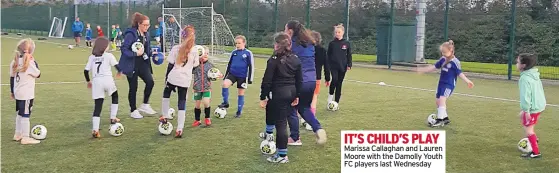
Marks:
<point>303,46</point>
<point>135,62</point>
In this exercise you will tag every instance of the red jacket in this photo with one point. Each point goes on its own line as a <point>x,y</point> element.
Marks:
<point>100,33</point>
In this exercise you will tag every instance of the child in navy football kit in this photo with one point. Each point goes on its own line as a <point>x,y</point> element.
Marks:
<point>240,70</point>
<point>450,71</point>
<point>88,35</point>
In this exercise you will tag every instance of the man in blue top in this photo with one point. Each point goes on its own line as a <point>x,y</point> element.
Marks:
<point>240,70</point>
<point>77,28</point>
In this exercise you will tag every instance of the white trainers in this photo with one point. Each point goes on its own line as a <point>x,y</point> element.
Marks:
<point>330,98</point>
<point>28,140</point>
<point>321,136</point>
<point>136,115</point>
<point>146,108</point>
<point>17,137</point>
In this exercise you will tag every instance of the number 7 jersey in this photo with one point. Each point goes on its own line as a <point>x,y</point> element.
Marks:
<point>100,66</point>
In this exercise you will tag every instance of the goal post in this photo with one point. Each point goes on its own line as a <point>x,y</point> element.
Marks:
<point>57,27</point>
<point>211,28</point>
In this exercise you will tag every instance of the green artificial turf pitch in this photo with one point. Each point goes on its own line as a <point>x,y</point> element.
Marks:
<point>482,137</point>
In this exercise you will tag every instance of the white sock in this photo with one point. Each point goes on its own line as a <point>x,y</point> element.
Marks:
<point>330,98</point>
<point>182,118</point>
<point>165,106</point>
<point>18,124</point>
<point>96,121</point>
<point>114,110</point>
<point>25,127</point>
<point>441,112</point>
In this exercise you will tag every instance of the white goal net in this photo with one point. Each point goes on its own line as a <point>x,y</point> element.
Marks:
<point>57,27</point>
<point>211,28</point>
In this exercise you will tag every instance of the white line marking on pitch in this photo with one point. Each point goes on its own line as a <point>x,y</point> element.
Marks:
<point>356,81</point>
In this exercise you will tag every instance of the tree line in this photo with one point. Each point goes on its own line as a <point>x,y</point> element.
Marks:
<point>480,29</point>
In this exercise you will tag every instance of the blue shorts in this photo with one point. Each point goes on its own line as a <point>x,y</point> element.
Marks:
<point>24,107</point>
<point>444,90</point>
<point>88,38</point>
<point>77,34</point>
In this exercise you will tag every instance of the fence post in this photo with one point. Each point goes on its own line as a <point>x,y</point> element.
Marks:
<point>308,17</point>
<point>223,12</point>
<point>511,37</point>
<point>276,16</point>
<point>247,16</point>
<point>446,19</point>
<point>390,27</point>
<point>347,19</point>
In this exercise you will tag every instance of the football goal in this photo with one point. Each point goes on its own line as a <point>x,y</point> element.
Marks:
<point>57,27</point>
<point>211,28</point>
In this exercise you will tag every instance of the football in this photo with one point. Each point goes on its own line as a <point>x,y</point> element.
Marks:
<point>524,146</point>
<point>268,147</point>
<point>332,106</point>
<point>199,49</point>
<point>171,113</point>
<point>220,113</point>
<point>39,132</point>
<point>213,74</point>
<point>165,128</point>
<point>136,46</point>
<point>116,129</point>
<point>70,47</point>
<point>431,119</point>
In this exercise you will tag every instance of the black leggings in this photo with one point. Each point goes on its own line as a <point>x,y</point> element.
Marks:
<point>278,109</point>
<point>145,75</point>
<point>336,84</point>
<point>181,97</point>
<point>99,104</point>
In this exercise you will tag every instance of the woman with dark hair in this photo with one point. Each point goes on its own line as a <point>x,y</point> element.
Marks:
<point>302,45</point>
<point>135,62</point>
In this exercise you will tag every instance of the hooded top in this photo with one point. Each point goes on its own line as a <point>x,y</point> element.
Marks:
<point>281,70</point>
<point>532,97</point>
<point>306,55</point>
<point>339,54</point>
<point>128,58</point>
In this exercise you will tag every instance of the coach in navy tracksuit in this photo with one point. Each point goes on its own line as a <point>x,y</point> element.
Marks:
<point>303,46</point>
<point>136,64</point>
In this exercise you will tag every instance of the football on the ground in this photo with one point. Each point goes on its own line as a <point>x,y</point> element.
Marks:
<point>116,129</point>
<point>70,47</point>
<point>220,112</point>
<point>268,147</point>
<point>431,119</point>
<point>524,146</point>
<point>39,132</point>
<point>165,128</point>
<point>332,106</point>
